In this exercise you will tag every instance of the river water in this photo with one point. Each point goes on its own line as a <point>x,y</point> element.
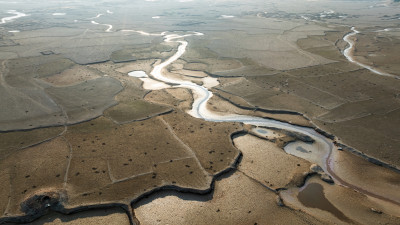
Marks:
<point>11,18</point>
<point>348,53</point>
<point>318,152</point>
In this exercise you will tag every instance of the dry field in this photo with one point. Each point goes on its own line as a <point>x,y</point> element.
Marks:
<point>82,142</point>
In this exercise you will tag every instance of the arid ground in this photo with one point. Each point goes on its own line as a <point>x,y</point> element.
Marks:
<point>90,135</point>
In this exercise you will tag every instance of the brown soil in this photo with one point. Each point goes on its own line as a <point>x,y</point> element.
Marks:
<point>265,162</point>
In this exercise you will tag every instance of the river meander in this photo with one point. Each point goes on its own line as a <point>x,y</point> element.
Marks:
<point>318,152</point>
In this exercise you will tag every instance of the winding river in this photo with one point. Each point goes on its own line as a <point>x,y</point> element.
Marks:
<point>348,53</point>
<point>108,25</point>
<point>321,148</point>
<point>11,18</point>
<point>319,152</point>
